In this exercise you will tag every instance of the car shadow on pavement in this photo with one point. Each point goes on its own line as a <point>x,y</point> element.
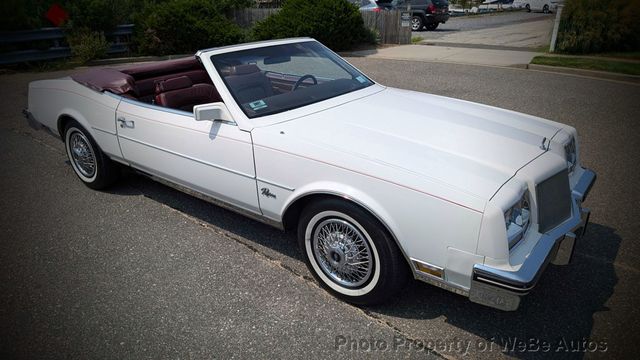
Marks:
<point>438,30</point>
<point>559,310</point>
<point>255,231</point>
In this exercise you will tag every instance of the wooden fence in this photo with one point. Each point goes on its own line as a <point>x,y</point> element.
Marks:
<point>388,26</point>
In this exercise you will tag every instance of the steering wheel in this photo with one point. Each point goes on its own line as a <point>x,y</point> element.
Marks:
<point>302,79</point>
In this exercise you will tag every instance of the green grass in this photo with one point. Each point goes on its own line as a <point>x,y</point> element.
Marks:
<point>631,55</point>
<point>416,39</point>
<point>623,67</point>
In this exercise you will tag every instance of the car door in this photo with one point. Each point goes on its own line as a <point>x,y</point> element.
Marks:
<point>212,158</point>
<point>536,5</point>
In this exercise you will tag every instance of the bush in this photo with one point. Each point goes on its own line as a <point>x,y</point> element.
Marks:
<point>87,45</point>
<point>184,26</point>
<point>97,15</point>
<point>336,23</point>
<point>592,26</point>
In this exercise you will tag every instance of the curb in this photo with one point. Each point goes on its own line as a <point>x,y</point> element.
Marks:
<point>582,72</point>
<point>476,46</point>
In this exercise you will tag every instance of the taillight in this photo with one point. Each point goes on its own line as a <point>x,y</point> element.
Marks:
<point>377,9</point>
<point>431,8</point>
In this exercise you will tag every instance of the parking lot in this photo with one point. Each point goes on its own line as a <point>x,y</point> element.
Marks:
<point>510,30</point>
<point>143,271</point>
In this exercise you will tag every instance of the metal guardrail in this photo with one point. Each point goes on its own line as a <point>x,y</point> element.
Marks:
<point>58,49</point>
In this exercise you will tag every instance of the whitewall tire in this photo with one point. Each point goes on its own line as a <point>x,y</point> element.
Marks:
<point>349,252</point>
<point>89,163</point>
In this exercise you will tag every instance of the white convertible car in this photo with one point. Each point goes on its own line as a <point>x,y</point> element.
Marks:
<point>379,183</point>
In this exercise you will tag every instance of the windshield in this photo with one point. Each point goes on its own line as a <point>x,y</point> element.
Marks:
<point>278,78</point>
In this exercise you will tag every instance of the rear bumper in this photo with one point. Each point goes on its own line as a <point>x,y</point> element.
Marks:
<point>503,289</point>
<point>437,18</point>
<point>33,123</point>
<point>37,125</point>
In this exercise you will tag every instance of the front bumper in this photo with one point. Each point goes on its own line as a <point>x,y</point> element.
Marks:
<point>503,289</point>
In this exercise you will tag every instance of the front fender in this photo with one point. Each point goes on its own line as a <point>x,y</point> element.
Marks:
<point>345,191</point>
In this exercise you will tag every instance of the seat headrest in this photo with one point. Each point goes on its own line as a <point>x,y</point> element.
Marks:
<point>244,69</point>
<point>180,82</point>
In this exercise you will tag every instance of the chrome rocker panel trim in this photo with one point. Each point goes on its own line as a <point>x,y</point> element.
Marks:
<point>502,289</point>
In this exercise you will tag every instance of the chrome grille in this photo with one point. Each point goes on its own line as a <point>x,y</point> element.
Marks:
<point>554,201</point>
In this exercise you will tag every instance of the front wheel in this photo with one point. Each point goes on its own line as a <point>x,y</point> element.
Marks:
<point>528,8</point>
<point>89,163</point>
<point>350,253</point>
<point>545,9</point>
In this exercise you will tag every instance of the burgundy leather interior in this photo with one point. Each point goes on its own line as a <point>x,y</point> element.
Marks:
<point>158,68</point>
<point>249,83</point>
<point>244,69</point>
<point>139,82</point>
<point>181,93</point>
<point>147,75</point>
<point>173,84</point>
<point>146,86</point>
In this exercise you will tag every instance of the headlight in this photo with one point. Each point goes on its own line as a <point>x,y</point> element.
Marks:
<point>570,154</point>
<point>517,219</point>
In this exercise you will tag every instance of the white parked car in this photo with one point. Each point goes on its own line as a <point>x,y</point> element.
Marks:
<point>546,6</point>
<point>471,198</point>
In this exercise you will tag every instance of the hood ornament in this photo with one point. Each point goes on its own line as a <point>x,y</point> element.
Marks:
<point>542,146</point>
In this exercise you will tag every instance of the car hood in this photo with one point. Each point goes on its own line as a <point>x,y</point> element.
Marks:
<point>472,147</point>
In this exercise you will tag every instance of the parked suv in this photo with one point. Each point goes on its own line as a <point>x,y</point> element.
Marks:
<point>426,14</point>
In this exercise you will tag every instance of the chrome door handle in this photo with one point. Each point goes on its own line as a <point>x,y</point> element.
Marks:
<point>124,123</point>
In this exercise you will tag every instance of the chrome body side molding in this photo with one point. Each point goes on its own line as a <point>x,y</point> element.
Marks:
<point>212,200</point>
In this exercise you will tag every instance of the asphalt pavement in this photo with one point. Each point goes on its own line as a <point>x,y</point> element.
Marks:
<point>517,30</point>
<point>143,271</point>
<point>486,21</point>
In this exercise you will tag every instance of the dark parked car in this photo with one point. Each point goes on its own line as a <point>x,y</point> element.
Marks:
<point>426,14</point>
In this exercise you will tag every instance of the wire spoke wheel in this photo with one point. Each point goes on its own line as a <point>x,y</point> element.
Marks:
<point>343,252</point>
<point>89,163</point>
<point>82,154</point>
<point>350,252</point>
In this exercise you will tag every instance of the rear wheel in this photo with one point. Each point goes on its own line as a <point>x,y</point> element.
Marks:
<point>432,26</point>
<point>350,253</point>
<point>416,23</point>
<point>528,8</point>
<point>89,163</point>
<point>545,9</point>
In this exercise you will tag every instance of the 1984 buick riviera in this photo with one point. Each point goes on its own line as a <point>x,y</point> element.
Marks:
<point>471,198</point>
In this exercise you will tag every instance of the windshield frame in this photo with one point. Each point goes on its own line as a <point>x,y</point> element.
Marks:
<point>332,56</point>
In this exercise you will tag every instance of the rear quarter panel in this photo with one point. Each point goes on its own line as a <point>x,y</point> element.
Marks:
<point>49,100</point>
